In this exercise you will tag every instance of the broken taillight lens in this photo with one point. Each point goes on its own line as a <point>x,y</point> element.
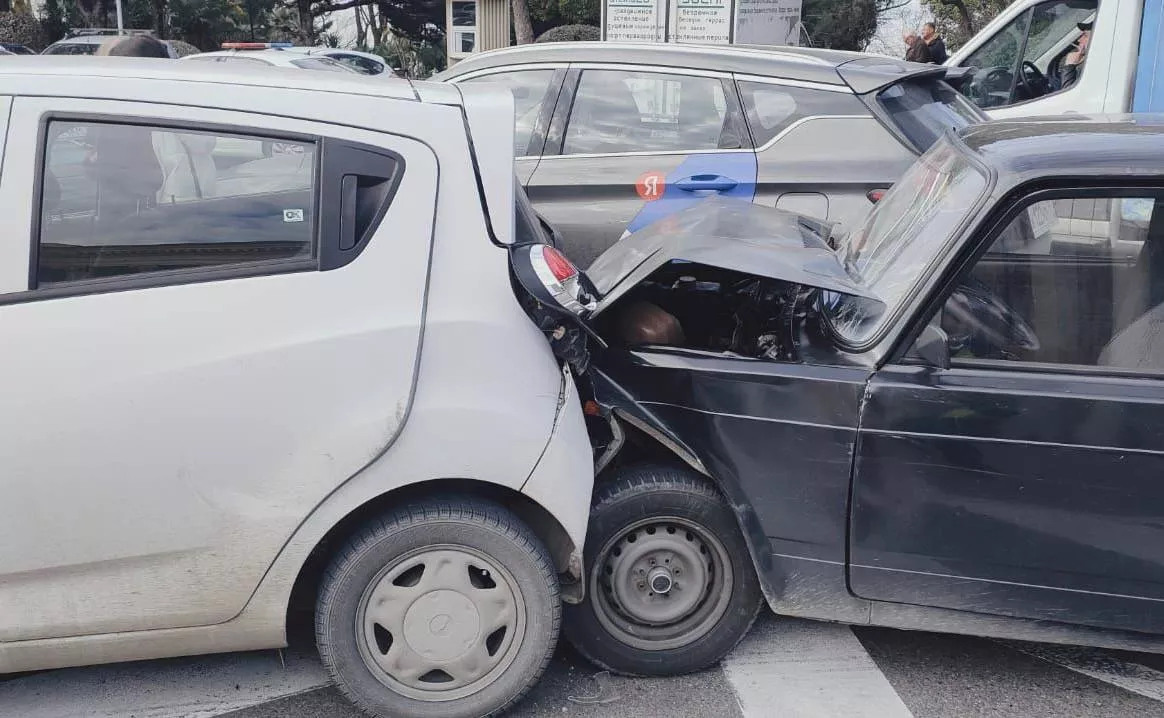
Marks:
<point>561,279</point>
<point>559,266</point>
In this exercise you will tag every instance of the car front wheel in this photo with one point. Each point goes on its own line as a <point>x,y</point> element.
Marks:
<point>444,609</point>
<point>670,584</point>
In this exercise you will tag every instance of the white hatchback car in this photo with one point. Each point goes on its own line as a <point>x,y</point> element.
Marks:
<point>263,346</point>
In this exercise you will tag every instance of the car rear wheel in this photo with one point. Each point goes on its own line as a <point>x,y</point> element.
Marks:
<point>670,583</point>
<point>444,609</point>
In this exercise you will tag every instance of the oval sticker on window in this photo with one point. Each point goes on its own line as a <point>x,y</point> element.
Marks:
<point>292,215</point>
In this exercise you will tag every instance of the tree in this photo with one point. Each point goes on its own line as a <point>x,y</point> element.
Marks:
<point>958,20</point>
<point>21,28</point>
<point>843,24</point>
<point>522,26</point>
<point>54,19</point>
<point>417,20</point>
<point>571,33</point>
<point>548,14</point>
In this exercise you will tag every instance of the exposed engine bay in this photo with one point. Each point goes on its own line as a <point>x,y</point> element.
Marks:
<point>700,307</point>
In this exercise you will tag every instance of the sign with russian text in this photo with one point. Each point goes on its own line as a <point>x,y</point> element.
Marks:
<point>632,21</point>
<point>713,22</point>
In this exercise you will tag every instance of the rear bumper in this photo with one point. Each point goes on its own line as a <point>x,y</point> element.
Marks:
<point>563,479</point>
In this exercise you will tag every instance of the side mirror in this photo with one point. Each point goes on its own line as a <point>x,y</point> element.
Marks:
<point>932,347</point>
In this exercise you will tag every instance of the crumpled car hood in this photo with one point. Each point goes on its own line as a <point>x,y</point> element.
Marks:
<point>727,234</point>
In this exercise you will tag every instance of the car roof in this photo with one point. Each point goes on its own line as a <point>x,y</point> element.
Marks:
<point>1082,145</point>
<point>43,71</point>
<point>792,63</point>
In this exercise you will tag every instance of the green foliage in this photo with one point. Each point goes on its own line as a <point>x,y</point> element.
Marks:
<point>23,29</point>
<point>546,14</point>
<point>570,33</point>
<point>205,23</point>
<point>958,20</point>
<point>411,58</point>
<point>56,17</point>
<point>842,24</point>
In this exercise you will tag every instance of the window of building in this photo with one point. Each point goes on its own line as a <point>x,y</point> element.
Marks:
<point>464,22</point>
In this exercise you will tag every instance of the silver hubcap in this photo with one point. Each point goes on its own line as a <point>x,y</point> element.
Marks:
<point>441,623</point>
<point>663,583</point>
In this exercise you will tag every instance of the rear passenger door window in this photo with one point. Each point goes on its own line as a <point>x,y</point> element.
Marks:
<point>122,200</point>
<point>771,108</point>
<point>530,90</point>
<point>626,111</point>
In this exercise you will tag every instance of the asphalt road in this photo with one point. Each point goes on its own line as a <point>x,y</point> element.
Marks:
<point>784,668</point>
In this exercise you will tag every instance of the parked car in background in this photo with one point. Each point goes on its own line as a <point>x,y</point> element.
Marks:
<point>271,54</point>
<point>611,137</point>
<point>16,49</point>
<point>87,42</point>
<point>1017,60</point>
<point>364,63</point>
<point>220,406</point>
<point>951,422</point>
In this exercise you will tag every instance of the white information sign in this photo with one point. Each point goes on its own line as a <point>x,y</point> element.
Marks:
<point>701,21</point>
<point>715,22</point>
<point>633,20</point>
<point>768,22</point>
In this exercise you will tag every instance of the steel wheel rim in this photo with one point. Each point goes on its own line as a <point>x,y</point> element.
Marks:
<point>440,623</point>
<point>624,582</point>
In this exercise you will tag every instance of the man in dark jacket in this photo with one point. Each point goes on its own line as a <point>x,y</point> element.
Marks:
<point>935,43</point>
<point>915,48</point>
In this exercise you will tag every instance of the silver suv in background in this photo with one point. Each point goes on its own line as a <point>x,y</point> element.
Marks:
<point>87,41</point>
<point>612,137</point>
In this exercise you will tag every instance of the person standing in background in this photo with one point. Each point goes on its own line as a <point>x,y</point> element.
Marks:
<point>916,49</point>
<point>934,43</point>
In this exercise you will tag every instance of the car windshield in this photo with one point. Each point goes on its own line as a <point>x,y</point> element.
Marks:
<point>907,231</point>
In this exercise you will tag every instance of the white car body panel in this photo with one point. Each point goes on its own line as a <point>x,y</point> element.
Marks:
<point>317,391</point>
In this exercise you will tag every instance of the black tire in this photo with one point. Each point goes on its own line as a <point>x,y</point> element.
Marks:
<point>429,537</point>
<point>662,506</point>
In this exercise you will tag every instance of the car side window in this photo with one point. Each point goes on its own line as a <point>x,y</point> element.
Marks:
<point>623,111</point>
<point>1026,59</point>
<point>125,200</point>
<point>1072,281</point>
<point>771,109</point>
<point>529,89</point>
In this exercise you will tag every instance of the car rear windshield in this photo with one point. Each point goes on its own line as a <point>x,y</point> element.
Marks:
<point>320,63</point>
<point>924,109</point>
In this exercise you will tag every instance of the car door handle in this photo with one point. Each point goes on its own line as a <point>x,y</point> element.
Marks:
<point>713,183</point>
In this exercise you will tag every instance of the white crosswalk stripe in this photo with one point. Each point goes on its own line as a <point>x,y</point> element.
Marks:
<point>801,669</point>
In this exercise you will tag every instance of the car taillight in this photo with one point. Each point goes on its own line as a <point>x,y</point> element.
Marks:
<point>560,267</point>
<point>875,195</point>
<point>561,279</point>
